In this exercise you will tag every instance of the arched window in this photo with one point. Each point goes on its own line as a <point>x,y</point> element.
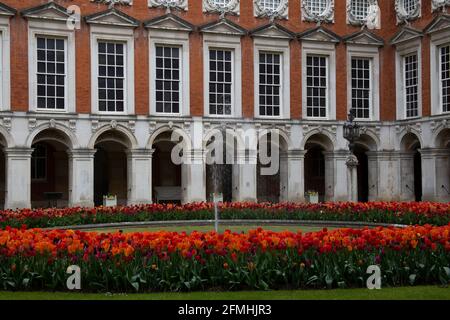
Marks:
<point>271,8</point>
<point>221,6</point>
<point>407,9</point>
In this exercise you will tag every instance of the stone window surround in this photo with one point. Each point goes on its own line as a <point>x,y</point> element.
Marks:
<point>5,72</point>
<point>326,16</point>
<point>403,15</point>
<point>52,29</point>
<point>181,40</point>
<point>116,34</point>
<point>282,11</point>
<point>233,43</point>
<point>371,52</point>
<point>233,7</point>
<point>404,49</point>
<point>181,4</point>
<point>438,39</point>
<point>328,50</point>
<point>280,46</point>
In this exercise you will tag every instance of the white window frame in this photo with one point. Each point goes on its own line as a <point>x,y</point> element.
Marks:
<point>372,53</point>
<point>404,50</point>
<point>329,51</point>
<point>438,40</point>
<point>113,34</point>
<point>280,46</point>
<point>233,43</point>
<point>5,71</point>
<point>176,39</point>
<point>55,29</point>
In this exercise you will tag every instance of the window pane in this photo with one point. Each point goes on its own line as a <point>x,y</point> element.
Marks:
<point>220,81</point>
<point>269,84</point>
<point>361,87</point>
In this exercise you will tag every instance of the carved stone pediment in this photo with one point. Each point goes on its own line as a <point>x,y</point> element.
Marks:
<point>169,22</point>
<point>406,34</point>
<point>440,23</point>
<point>47,11</point>
<point>6,10</point>
<point>112,17</point>
<point>319,34</point>
<point>272,30</point>
<point>223,26</point>
<point>364,37</point>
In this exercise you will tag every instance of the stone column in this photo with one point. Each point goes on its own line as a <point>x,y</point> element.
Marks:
<point>194,178</point>
<point>18,178</point>
<point>336,180</point>
<point>435,174</point>
<point>284,176</point>
<point>81,177</point>
<point>372,159</point>
<point>247,160</point>
<point>296,175</point>
<point>352,177</point>
<point>407,189</point>
<point>388,175</point>
<point>139,176</point>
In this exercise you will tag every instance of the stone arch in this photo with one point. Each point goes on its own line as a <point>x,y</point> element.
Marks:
<point>323,139</point>
<point>442,138</point>
<point>165,129</point>
<point>6,139</point>
<point>410,141</point>
<point>229,130</point>
<point>119,133</point>
<point>63,135</point>
<point>369,141</point>
<point>285,141</point>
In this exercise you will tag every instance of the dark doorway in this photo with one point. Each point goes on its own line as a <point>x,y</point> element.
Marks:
<point>101,177</point>
<point>363,174</point>
<point>220,179</point>
<point>418,176</point>
<point>315,171</point>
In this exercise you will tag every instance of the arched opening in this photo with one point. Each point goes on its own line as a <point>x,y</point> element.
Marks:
<point>443,165</point>
<point>363,172</point>
<point>111,169</point>
<point>411,167</point>
<point>271,172</point>
<point>221,170</point>
<point>166,175</point>
<point>50,169</point>
<point>315,166</point>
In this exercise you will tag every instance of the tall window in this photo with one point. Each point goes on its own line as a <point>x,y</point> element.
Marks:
<point>220,81</point>
<point>269,84</point>
<point>111,76</point>
<point>361,87</point>
<point>51,73</point>
<point>167,79</point>
<point>411,83</point>
<point>39,162</point>
<point>445,77</point>
<point>359,9</point>
<point>316,86</point>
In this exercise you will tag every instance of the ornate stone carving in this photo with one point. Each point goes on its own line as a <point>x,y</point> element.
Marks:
<point>404,14</point>
<point>371,19</point>
<point>113,124</point>
<point>352,161</point>
<point>309,14</point>
<point>222,7</point>
<point>94,125</point>
<point>32,123</point>
<point>52,123</point>
<point>73,125</point>
<point>7,123</point>
<point>440,5</point>
<point>169,4</point>
<point>271,8</point>
<point>132,125</point>
<point>151,127</point>
<point>113,2</point>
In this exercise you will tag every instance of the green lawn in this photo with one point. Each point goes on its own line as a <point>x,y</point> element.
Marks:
<point>405,293</point>
<point>189,229</point>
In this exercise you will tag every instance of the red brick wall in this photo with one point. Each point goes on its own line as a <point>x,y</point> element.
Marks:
<point>140,11</point>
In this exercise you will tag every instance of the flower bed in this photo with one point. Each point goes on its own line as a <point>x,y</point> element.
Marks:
<point>381,212</point>
<point>33,259</point>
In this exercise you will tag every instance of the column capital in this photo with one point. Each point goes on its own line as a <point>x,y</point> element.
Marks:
<point>337,154</point>
<point>21,152</point>
<point>81,153</point>
<point>140,153</point>
<point>434,152</point>
<point>296,154</point>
